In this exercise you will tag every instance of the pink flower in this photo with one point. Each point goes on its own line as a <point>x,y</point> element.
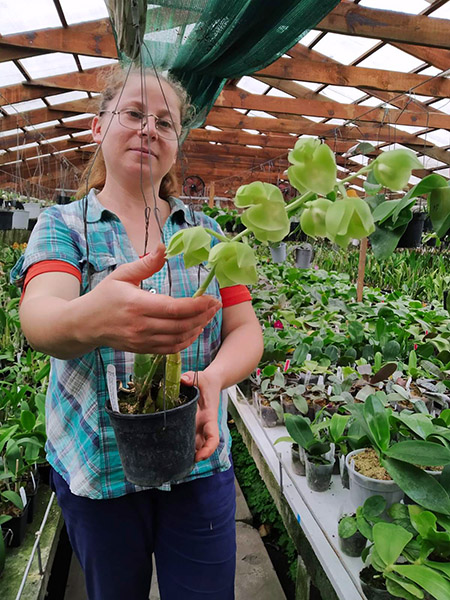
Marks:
<point>316,267</point>
<point>278,325</point>
<point>415,346</point>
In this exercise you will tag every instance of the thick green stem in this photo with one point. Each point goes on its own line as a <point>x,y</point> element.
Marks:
<point>360,172</point>
<point>169,391</point>
<point>219,236</point>
<point>295,204</point>
<point>202,289</point>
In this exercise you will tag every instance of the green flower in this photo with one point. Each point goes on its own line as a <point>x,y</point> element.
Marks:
<point>393,168</point>
<point>266,216</point>
<point>234,262</point>
<point>312,219</point>
<point>314,166</point>
<point>194,242</point>
<point>347,219</point>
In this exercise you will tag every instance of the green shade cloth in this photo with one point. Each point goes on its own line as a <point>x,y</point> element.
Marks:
<point>205,42</point>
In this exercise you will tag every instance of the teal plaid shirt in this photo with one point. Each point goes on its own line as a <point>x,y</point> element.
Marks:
<point>81,445</point>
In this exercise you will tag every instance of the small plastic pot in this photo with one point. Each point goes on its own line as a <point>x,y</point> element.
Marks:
<point>374,589</point>
<point>298,464</point>
<point>278,253</point>
<point>318,477</point>
<point>354,545</point>
<point>343,471</point>
<point>158,447</point>
<point>18,528</point>
<point>269,416</point>
<point>304,256</point>
<point>362,487</point>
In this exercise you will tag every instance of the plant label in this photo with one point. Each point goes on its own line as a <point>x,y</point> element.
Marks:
<point>111,381</point>
<point>23,496</point>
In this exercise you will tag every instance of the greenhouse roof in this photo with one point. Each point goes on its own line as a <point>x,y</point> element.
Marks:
<point>373,70</point>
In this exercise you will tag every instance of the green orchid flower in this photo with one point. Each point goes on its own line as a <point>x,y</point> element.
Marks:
<point>314,166</point>
<point>266,213</point>
<point>234,262</point>
<point>393,168</point>
<point>312,219</point>
<point>348,218</point>
<point>194,242</point>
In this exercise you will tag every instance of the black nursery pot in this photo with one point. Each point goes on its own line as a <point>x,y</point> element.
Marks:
<point>18,527</point>
<point>373,585</point>
<point>354,545</point>
<point>157,447</point>
<point>412,238</point>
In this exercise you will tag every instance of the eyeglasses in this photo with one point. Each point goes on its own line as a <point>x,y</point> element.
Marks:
<point>136,120</point>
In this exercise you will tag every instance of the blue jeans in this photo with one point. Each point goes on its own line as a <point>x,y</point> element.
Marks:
<point>191,530</point>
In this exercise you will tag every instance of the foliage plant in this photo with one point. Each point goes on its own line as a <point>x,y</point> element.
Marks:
<point>325,208</point>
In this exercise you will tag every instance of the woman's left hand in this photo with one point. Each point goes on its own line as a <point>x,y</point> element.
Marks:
<point>207,428</point>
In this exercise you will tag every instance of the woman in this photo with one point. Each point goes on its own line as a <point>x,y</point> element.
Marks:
<point>69,311</point>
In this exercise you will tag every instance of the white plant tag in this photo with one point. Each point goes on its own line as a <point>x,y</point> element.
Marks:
<point>408,383</point>
<point>308,357</point>
<point>307,377</point>
<point>33,480</point>
<point>339,374</point>
<point>23,496</point>
<point>321,380</point>
<point>111,381</point>
<point>330,390</point>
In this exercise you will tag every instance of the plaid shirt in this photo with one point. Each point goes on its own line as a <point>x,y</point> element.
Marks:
<point>81,445</point>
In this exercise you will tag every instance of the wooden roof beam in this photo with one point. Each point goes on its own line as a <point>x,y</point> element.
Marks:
<point>351,19</point>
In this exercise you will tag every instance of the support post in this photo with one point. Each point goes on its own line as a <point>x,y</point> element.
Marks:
<point>361,269</point>
<point>212,193</point>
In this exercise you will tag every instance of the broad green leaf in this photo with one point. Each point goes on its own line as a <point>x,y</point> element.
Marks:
<point>422,488</point>
<point>347,527</point>
<point>377,421</point>
<point>300,404</point>
<point>374,506</point>
<point>384,241</point>
<point>299,429</point>
<point>390,540</point>
<point>27,420</point>
<point>439,209</point>
<point>401,588</point>
<point>420,453</point>
<point>444,567</point>
<point>13,497</point>
<point>337,426</point>
<point>431,581</point>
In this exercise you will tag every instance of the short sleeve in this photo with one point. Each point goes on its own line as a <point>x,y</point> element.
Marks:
<point>51,239</point>
<point>235,294</point>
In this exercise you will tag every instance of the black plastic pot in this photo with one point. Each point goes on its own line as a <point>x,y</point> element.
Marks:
<point>18,527</point>
<point>354,545</point>
<point>2,551</point>
<point>373,586</point>
<point>44,473</point>
<point>6,217</point>
<point>412,238</point>
<point>158,447</point>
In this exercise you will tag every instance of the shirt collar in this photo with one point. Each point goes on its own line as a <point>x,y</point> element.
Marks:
<point>96,211</point>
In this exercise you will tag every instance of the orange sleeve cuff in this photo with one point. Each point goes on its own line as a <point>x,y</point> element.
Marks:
<point>50,266</point>
<point>234,294</point>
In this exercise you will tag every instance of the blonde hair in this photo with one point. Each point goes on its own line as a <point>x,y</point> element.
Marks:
<point>94,175</point>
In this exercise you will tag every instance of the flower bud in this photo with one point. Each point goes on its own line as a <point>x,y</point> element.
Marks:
<point>193,242</point>
<point>312,219</point>
<point>314,166</point>
<point>393,168</point>
<point>234,262</point>
<point>347,219</point>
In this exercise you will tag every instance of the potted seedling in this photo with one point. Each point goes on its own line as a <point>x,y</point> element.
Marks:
<point>278,252</point>
<point>354,529</point>
<point>304,255</point>
<point>318,453</point>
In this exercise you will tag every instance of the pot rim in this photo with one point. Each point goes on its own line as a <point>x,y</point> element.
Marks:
<point>149,416</point>
<point>352,470</point>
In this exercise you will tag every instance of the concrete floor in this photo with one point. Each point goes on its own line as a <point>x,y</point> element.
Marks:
<point>255,576</point>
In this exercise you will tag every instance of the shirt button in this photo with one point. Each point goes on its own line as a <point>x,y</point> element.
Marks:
<point>152,291</point>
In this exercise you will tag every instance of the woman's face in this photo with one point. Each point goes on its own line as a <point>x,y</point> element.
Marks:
<point>127,151</point>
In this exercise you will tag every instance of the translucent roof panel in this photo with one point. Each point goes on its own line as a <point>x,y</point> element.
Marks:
<point>315,119</point>
<point>443,105</point>
<point>342,93</point>
<point>10,74</point>
<point>23,106</point>
<point>309,37</point>
<point>66,97</point>
<point>252,85</point>
<point>26,15</point>
<point>83,10</point>
<point>442,13</point>
<point>406,6</point>
<point>310,86</point>
<point>431,71</point>
<point>440,137</point>
<point>276,92</point>
<point>89,62</point>
<point>409,128</point>
<point>212,128</point>
<point>391,59</point>
<point>252,131</point>
<point>55,63</point>
<point>344,48</point>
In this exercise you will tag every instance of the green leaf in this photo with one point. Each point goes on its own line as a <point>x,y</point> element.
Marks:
<point>420,453</point>
<point>401,588</point>
<point>13,497</point>
<point>439,209</point>
<point>337,426</point>
<point>27,420</point>
<point>391,351</point>
<point>374,506</point>
<point>347,527</point>
<point>300,404</point>
<point>377,421</point>
<point>390,540</point>
<point>299,429</point>
<point>440,566</point>
<point>384,241</point>
<point>431,581</point>
<point>422,488</point>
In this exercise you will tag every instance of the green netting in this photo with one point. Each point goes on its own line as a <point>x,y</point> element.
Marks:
<point>205,42</point>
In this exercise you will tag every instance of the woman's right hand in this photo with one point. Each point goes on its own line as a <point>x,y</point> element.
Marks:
<point>127,318</point>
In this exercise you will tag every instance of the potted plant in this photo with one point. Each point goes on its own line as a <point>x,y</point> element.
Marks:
<point>278,252</point>
<point>355,529</point>
<point>304,255</point>
<point>398,459</point>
